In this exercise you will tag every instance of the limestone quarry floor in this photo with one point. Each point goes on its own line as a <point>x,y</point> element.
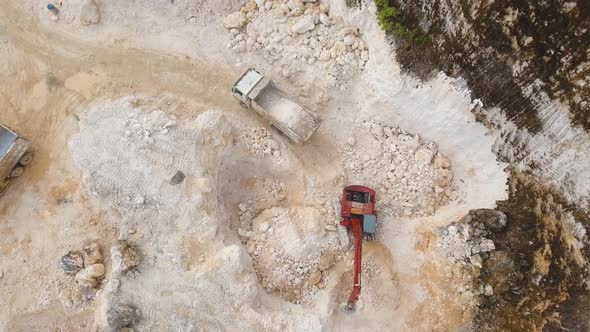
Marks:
<point>49,77</point>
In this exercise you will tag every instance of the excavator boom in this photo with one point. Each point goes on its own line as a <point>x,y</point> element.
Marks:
<point>357,232</point>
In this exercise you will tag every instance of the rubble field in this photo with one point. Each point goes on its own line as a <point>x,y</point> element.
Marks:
<point>156,202</point>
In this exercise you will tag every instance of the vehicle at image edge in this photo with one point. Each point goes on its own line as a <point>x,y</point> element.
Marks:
<point>14,155</point>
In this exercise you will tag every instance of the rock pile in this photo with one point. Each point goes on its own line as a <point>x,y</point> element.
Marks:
<point>260,142</point>
<point>466,243</point>
<point>291,251</point>
<point>411,177</point>
<point>86,266</point>
<point>270,193</point>
<point>235,20</point>
<point>298,33</point>
<point>148,127</point>
<point>327,200</point>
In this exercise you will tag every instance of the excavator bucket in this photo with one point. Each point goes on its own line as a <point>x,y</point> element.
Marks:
<point>347,307</point>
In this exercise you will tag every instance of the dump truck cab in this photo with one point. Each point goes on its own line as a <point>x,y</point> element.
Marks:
<point>259,93</point>
<point>14,155</point>
<point>245,85</point>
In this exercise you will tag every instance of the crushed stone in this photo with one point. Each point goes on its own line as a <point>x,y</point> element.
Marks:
<point>466,243</point>
<point>296,34</point>
<point>260,141</point>
<point>411,178</point>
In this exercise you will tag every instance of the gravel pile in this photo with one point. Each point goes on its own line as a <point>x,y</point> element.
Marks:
<point>295,34</point>
<point>467,244</point>
<point>290,247</point>
<point>412,178</point>
<point>259,141</point>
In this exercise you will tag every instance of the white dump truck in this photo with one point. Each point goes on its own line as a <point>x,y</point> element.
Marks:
<point>14,155</point>
<point>260,94</point>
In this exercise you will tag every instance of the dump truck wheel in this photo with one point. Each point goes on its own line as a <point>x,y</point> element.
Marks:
<point>16,172</point>
<point>26,159</point>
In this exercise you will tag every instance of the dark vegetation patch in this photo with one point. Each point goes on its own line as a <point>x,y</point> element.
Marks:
<point>504,47</point>
<point>403,27</point>
<point>549,38</point>
<point>538,277</point>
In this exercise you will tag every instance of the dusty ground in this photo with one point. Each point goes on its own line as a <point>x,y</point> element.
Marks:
<point>57,78</point>
<point>52,81</point>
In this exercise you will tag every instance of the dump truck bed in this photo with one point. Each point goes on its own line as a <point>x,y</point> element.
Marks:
<point>264,97</point>
<point>287,115</point>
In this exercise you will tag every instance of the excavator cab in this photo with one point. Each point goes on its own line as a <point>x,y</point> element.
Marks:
<point>357,196</point>
<point>359,201</point>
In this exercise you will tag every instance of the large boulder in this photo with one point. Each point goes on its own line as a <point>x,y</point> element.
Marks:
<point>91,254</point>
<point>306,23</point>
<point>441,161</point>
<point>294,4</point>
<point>325,19</point>
<point>115,311</point>
<point>89,14</point>
<point>125,257</point>
<point>423,155</point>
<point>314,277</point>
<point>122,315</point>
<point>502,267</point>
<point>72,262</point>
<point>327,259</point>
<point>494,220</point>
<point>90,276</point>
<point>235,20</point>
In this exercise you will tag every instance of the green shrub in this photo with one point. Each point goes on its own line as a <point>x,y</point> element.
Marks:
<point>387,19</point>
<point>382,4</point>
<point>386,15</point>
<point>422,40</point>
<point>400,31</point>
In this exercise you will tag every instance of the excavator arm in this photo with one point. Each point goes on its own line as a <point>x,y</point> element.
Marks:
<point>357,231</point>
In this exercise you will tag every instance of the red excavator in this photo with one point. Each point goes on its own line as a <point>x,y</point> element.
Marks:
<point>358,214</point>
